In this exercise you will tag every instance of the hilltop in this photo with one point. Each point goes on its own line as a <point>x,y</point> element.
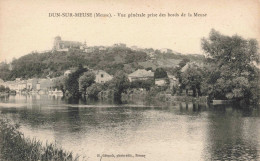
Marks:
<point>110,59</point>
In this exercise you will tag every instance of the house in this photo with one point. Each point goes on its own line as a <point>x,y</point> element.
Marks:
<point>66,49</point>
<point>102,76</point>
<point>102,48</point>
<point>190,65</point>
<point>135,48</point>
<point>151,55</point>
<point>161,81</point>
<point>165,50</point>
<point>22,85</point>
<point>141,74</point>
<point>89,50</point>
<point>121,45</point>
<point>31,84</point>
<point>17,79</point>
<point>67,72</point>
<point>44,85</point>
<point>84,46</point>
<point>12,85</point>
<point>173,80</point>
<point>2,82</point>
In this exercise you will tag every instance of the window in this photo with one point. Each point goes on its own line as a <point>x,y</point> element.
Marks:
<point>102,75</point>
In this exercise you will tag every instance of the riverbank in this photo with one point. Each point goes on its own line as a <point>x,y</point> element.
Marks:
<point>15,146</point>
<point>156,97</point>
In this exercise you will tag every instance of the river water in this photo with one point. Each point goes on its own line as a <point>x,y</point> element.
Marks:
<point>128,132</point>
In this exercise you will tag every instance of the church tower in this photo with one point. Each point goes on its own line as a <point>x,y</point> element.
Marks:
<point>56,45</point>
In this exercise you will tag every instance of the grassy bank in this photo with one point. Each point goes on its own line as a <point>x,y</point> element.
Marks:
<point>14,146</point>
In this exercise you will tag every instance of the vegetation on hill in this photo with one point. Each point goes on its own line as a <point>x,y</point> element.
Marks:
<point>53,64</point>
<point>228,72</point>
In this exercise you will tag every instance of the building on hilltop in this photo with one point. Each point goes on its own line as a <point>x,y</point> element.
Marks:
<point>165,50</point>
<point>121,45</point>
<point>61,45</point>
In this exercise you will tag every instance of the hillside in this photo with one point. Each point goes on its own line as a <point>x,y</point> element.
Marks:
<point>53,64</point>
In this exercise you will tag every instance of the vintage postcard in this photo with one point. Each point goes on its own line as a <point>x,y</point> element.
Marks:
<point>129,80</point>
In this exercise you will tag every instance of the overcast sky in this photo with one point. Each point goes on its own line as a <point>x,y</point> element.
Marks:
<point>25,26</point>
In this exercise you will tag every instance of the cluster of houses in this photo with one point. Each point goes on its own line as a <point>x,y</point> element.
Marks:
<point>142,74</point>
<point>46,85</point>
<point>43,85</point>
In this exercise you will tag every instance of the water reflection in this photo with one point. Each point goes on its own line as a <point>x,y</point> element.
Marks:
<point>166,132</point>
<point>233,133</point>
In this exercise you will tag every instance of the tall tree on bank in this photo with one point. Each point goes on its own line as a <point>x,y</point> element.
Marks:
<point>191,79</point>
<point>72,83</point>
<point>60,82</point>
<point>86,80</point>
<point>232,73</point>
<point>120,83</point>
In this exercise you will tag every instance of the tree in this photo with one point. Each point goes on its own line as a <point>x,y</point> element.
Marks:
<point>93,90</point>
<point>4,71</point>
<point>2,88</point>
<point>191,79</point>
<point>233,73</point>
<point>86,80</point>
<point>59,83</point>
<point>120,83</point>
<point>160,73</point>
<point>146,84</point>
<point>183,62</point>
<point>72,83</point>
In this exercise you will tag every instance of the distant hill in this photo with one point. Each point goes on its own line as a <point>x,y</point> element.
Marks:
<point>53,64</point>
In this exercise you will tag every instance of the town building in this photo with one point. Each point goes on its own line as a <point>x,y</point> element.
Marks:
<point>152,55</point>
<point>12,85</point>
<point>165,50</point>
<point>31,84</point>
<point>44,85</point>
<point>61,45</point>
<point>161,81</point>
<point>89,50</point>
<point>173,81</point>
<point>102,48</point>
<point>2,82</point>
<point>135,48</point>
<point>191,65</point>
<point>141,74</point>
<point>67,72</point>
<point>121,45</point>
<point>22,85</point>
<point>102,76</point>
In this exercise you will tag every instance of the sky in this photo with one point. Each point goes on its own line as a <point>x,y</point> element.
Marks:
<point>25,26</point>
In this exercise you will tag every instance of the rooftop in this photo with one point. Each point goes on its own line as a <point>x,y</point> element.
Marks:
<point>142,73</point>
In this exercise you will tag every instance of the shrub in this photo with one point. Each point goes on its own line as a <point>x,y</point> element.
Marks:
<point>14,146</point>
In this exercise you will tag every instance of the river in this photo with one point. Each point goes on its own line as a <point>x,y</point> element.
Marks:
<point>180,131</point>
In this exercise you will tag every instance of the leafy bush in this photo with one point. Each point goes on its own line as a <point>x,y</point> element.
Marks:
<point>14,146</point>
<point>93,90</point>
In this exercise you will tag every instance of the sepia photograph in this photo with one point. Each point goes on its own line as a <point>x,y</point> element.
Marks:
<point>129,80</point>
